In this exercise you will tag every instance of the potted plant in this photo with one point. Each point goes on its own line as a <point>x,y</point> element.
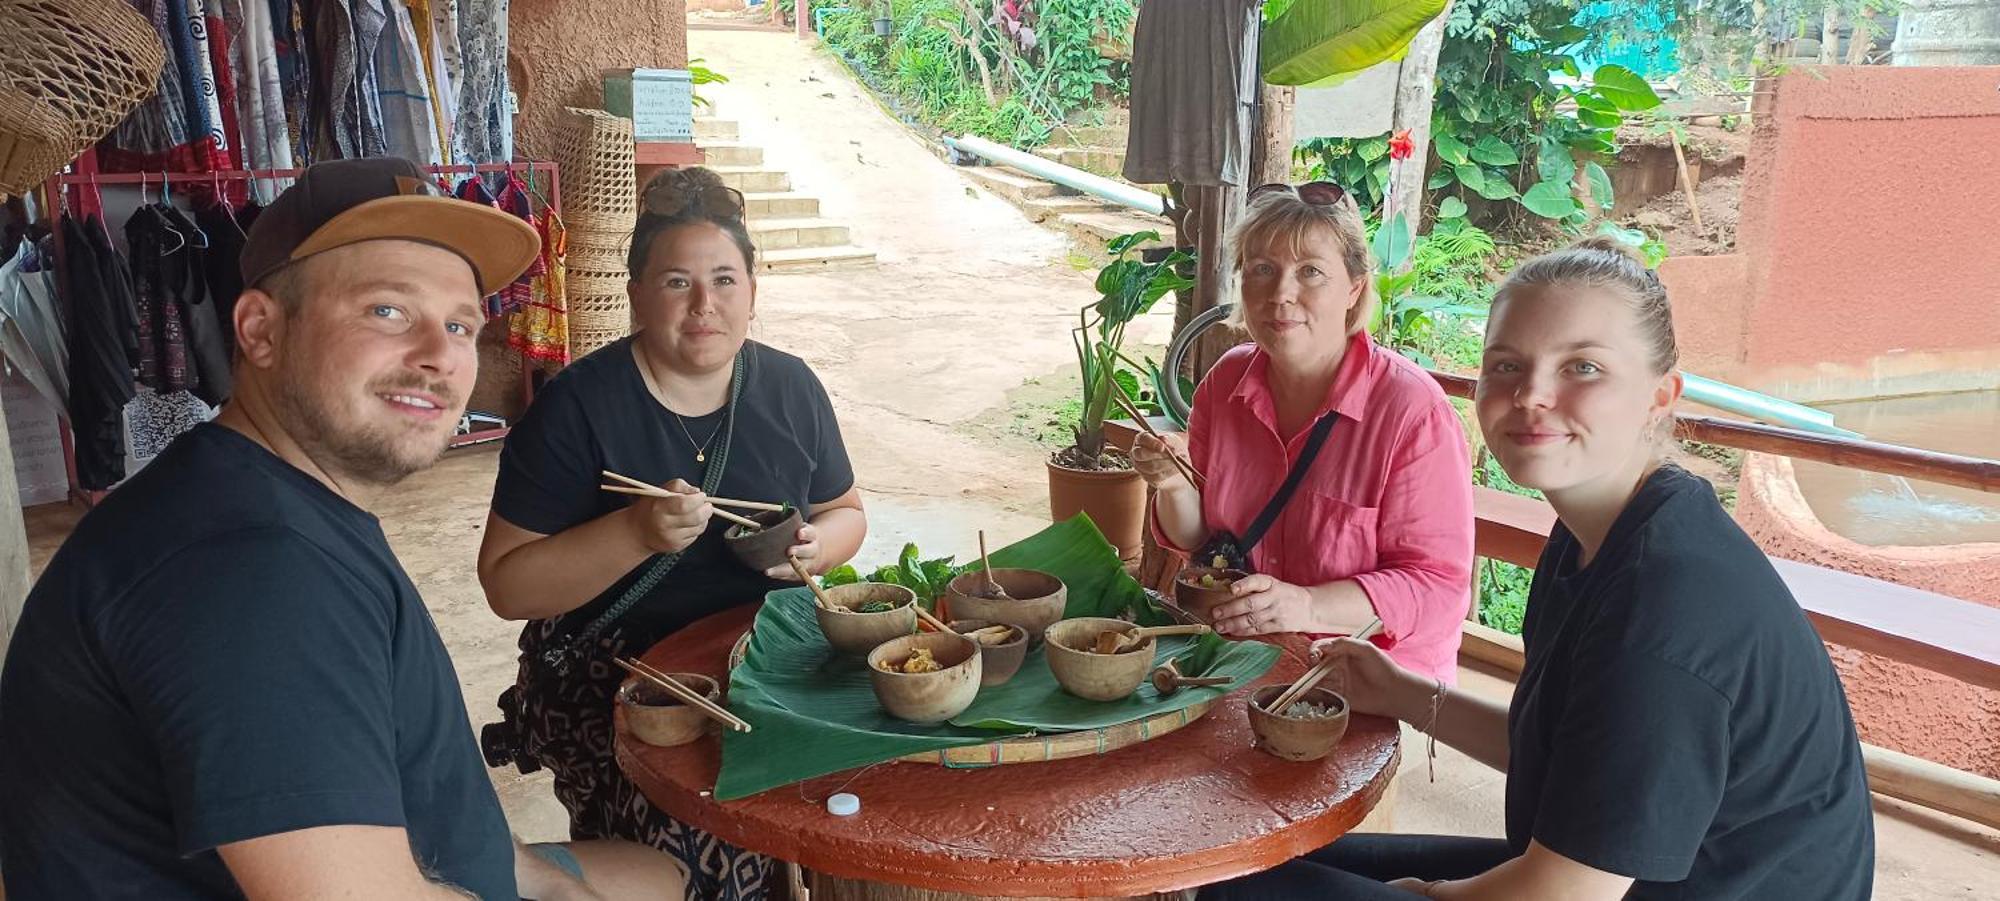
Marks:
<point>1086,476</point>
<point>884,23</point>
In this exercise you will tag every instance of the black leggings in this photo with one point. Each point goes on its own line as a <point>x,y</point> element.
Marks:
<point>1360,866</point>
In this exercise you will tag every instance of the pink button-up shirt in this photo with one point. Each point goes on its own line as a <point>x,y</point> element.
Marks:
<point>1388,502</point>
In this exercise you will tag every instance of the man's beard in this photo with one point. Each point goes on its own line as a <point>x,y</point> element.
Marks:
<point>363,451</point>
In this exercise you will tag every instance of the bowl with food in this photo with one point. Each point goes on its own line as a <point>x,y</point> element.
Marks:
<point>1004,646</point>
<point>865,614</point>
<point>1307,729</point>
<point>769,545</point>
<point>1027,598</point>
<point>928,677</point>
<point>1073,651</point>
<point>658,718</point>
<point>1200,589</point>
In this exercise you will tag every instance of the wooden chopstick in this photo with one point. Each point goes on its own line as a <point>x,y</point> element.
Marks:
<point>819,594</point>
<point>1313,676</point>
<point>644,490</point>
<point>687,695</point>
<point>1131,408</point>
<point>936,623</point>
<point>635,486</point>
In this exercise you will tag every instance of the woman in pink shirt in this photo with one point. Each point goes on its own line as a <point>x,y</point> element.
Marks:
<point>1380,522</point>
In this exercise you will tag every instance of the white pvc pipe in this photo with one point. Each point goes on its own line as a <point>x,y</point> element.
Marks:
<point>1762,407</point>
<point>1095,185</point>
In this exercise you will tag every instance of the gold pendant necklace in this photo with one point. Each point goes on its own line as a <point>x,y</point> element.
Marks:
<point>646,373</point>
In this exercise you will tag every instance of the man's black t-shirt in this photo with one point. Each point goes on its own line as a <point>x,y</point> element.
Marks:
<point>1679,721</point>
<point>598,415</point>
<point>223,650</point>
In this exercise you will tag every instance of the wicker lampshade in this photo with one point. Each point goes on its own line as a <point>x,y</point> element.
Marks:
<point>72,71</point>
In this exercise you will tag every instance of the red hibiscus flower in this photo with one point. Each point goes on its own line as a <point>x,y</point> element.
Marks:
<point>1401,147</point>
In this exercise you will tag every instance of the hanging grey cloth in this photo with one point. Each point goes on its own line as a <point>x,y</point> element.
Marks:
<point>1194,90</point>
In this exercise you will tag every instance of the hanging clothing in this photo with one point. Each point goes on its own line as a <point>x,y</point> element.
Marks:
<point>260,93</point>
<point>1194,87</point>
<point>484,132</point>
<point>31,333</point>
<point>181,342</point>
<point>294,75</point>
<point>334,114</point>
<point>103,344</point>
<point>222,266</point>
<point>403,92</point>
<point>369,21</point>
<point>514,199</point>
<point>540,330</point>
<point>209,349</point>
<point>159,134</point>
<point>437,78</point>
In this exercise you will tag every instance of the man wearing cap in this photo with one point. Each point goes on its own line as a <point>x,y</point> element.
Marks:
<point>224,684</point>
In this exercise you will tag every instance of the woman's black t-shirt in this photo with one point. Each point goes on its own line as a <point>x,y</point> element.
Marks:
<point>1679,721</point>
<point>597,415</point>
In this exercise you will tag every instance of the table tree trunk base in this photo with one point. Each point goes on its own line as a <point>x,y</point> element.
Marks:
<point>833,888</point>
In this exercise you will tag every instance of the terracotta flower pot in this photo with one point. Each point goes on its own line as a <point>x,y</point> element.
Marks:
<point>1115,499</point>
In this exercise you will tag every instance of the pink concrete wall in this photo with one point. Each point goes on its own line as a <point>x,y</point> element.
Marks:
<point>1896,705</point>
<point>563,46</point>
<point>1869,253</point>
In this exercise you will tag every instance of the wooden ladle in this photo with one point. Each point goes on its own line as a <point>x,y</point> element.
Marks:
<point>1167,679</point>
<point>994,589</point>
<point>1117,641</point>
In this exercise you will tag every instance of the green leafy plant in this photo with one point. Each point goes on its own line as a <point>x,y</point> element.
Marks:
<point>704,75</point>
<point>1127,289</point>
<point>927,578</point>
<point>1422,307</point>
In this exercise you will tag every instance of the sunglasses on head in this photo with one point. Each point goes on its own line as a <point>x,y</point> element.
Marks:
<point>663,200</point>
<point>1317,193</point>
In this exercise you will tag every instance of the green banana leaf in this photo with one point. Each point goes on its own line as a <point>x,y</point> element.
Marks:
<point>1323,41</point>
<point>815,712</point>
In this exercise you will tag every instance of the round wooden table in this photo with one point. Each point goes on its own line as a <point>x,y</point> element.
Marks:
<point>1193,807</point>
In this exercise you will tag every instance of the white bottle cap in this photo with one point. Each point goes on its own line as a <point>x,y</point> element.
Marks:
<point>843,805</point>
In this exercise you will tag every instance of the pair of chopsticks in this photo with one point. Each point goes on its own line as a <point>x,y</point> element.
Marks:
<point>634,486</point>
<point>687,695</point>
<point>1313,676</point>
<point>1131,408</point>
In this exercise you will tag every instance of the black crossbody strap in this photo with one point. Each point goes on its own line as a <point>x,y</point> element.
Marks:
<point>1307,455</point>
<point>563,655</point>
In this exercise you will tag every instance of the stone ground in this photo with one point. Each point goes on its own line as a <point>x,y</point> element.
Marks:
<point>926,357</point>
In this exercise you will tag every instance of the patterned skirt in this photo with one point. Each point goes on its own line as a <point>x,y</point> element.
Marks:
<point>563,723</point>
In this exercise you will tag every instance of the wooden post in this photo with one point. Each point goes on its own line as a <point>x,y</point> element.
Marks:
<point>1271,156</point>
<point>802,16</point>
<point>1215,211</point>
<point>1416,89</point>
<point>13,545</point>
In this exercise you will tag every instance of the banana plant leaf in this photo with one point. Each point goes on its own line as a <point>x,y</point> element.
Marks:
<point>1318,40</point>
<point>815,713</point>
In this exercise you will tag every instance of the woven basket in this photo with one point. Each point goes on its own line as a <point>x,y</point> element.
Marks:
<point>71,72</point>
<point>600,188</point>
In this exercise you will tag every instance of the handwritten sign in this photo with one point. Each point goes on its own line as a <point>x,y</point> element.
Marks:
<point>660,102</point>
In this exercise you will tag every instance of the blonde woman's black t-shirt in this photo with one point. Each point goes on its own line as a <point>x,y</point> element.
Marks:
<point>1678,720</point>
<point>598,415</point>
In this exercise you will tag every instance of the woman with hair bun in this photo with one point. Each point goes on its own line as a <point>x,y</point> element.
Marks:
<point>688,402</point>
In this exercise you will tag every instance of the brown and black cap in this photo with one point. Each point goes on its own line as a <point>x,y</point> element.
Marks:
<point>341,202</point>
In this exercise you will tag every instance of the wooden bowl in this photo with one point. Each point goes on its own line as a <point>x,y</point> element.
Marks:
<point>1199,601</point>
<point>927,697</point>
<point>764,549</point>
<point>1297,738</point>
<point>656,717</point>
<point>1035,600</point>
<point>1096,677</point>
<point>1003,660</point>
<point>859,633</point>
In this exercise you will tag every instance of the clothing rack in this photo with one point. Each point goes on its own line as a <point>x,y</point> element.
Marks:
<point>64,195</point>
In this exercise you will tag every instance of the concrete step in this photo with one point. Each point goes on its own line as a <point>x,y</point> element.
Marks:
<point>731,153</point>
<point>1013,184</point>
<point>1100,160</point>
<point>752,180</point>
<point>709,129</point>
<point>1097,228</point>
<point>781,206</point>
<point>1050,207</point>
<point>814,259</point>
<point>1096,135</point>
<point>789,234</point>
